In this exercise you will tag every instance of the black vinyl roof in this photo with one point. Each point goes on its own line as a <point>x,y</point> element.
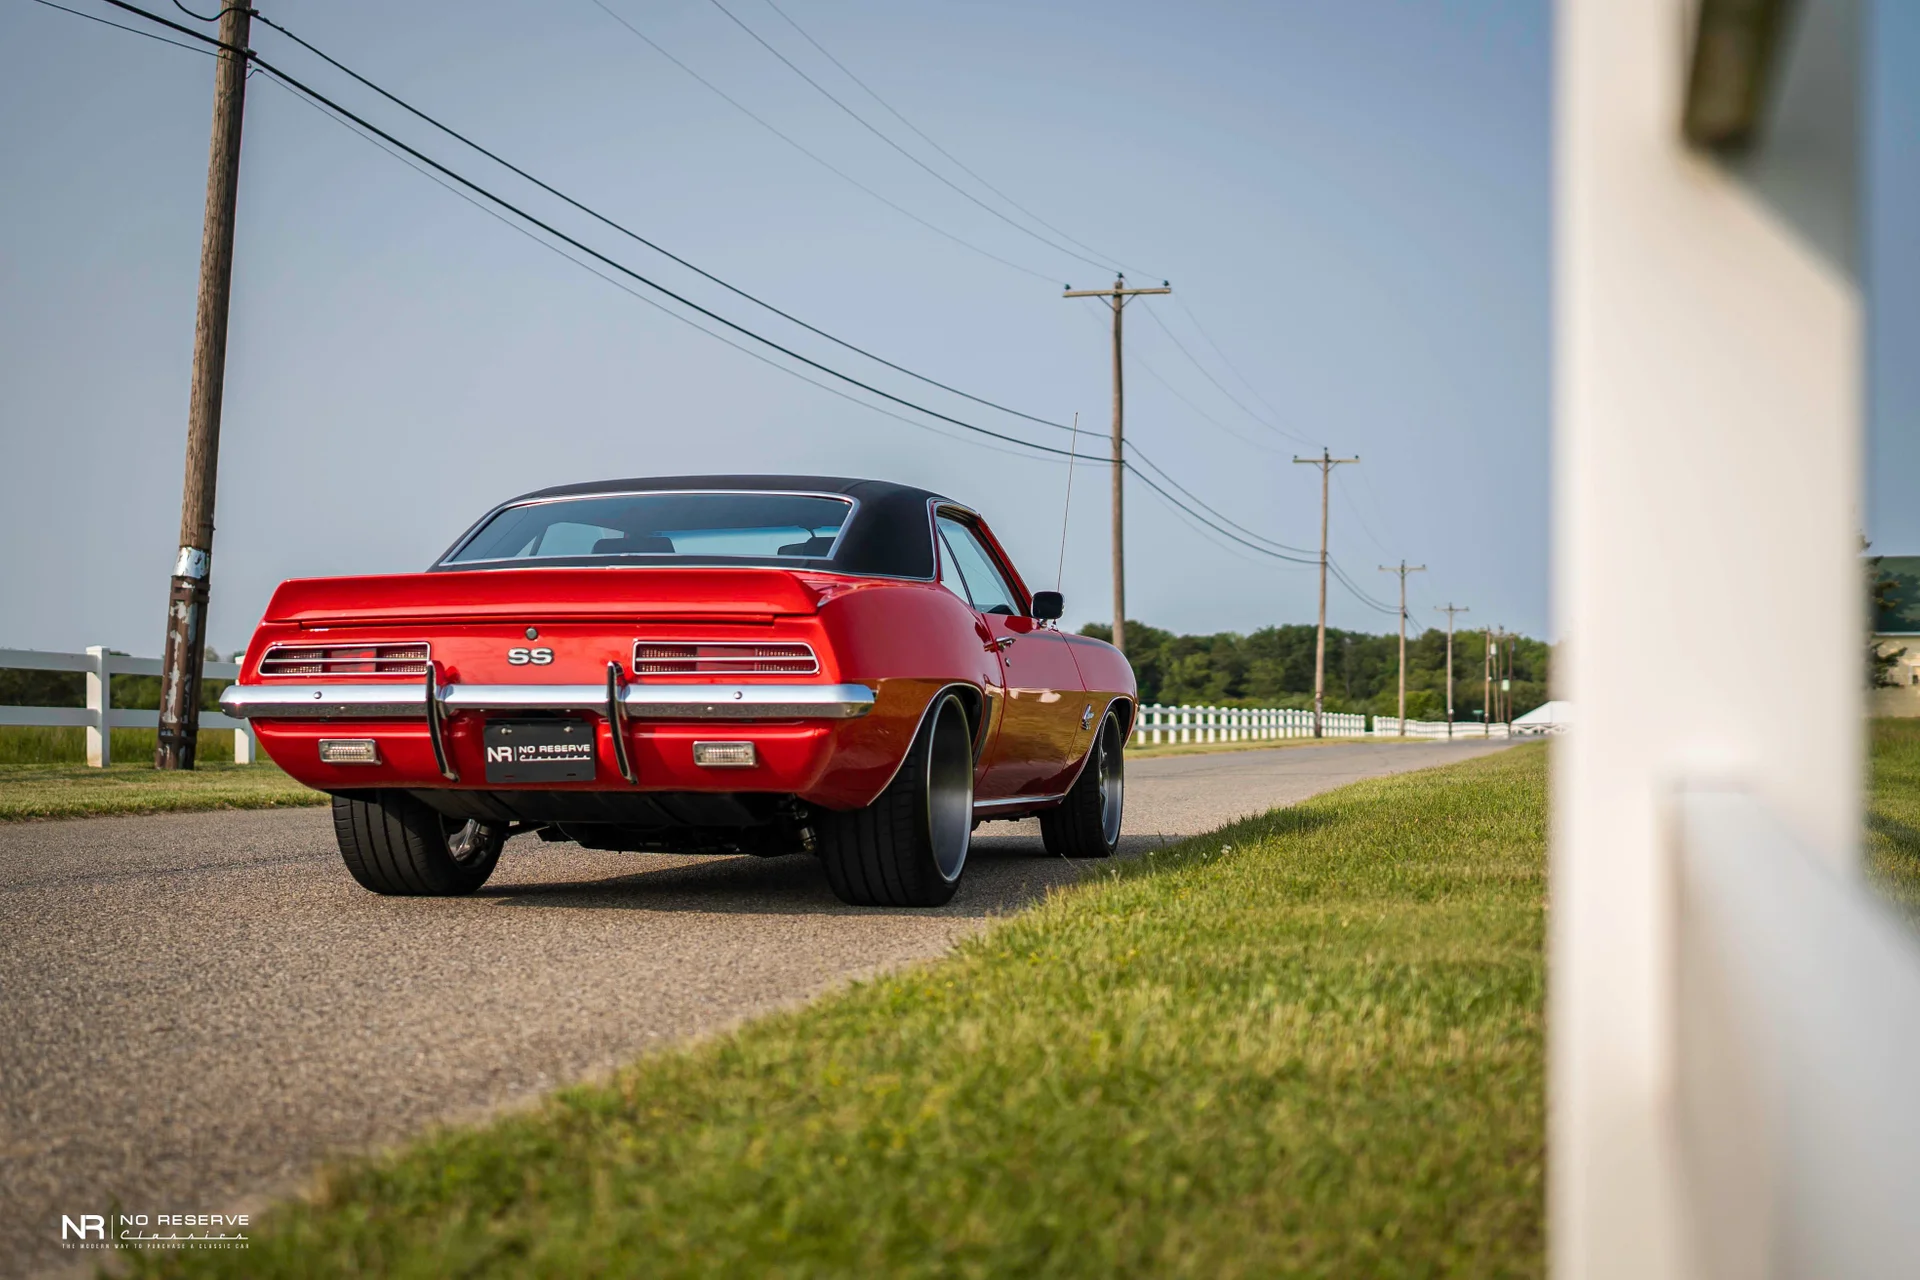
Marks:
<point>889,534</point>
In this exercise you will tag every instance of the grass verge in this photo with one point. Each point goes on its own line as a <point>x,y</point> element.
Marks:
<point>27,744</point>
<point>1893,815</point>
<point>75,791</point>
<point>1310,1044</point>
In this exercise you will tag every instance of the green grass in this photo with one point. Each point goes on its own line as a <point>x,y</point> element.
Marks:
<point>1310,1044</point>
<point>1893,817</point>
<point>75,791</point>
<point>20,744</point>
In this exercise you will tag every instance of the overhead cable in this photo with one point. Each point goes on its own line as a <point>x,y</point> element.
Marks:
<point>1231,367</point>
<point>1134,449</point>
<point>939,177</point>
<point>921,134</point>
<point>818,159</point>
<point>640,239</point>
<point>1218,385</point>
<point>634,293</point>
<point>117,26</point>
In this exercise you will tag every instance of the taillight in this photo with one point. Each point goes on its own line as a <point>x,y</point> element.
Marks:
<point>723,658</point>
<point>408,658</point>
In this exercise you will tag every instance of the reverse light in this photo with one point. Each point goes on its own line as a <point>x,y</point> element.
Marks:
<point>725,755</point>
<point>349,751</point>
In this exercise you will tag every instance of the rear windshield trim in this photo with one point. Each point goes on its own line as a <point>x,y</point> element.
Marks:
<point>447,561</point>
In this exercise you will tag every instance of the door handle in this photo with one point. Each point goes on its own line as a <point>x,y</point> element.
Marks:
<point>1003,643</point>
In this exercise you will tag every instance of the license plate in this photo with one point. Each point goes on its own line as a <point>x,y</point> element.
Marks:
<point>539,751</point>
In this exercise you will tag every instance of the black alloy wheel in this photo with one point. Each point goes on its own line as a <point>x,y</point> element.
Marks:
<point>909,847</point>
<point>1087,823</point>
<point>394,844</point>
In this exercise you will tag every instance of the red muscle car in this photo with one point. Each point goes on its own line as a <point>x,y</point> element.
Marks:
<point>722,664</point>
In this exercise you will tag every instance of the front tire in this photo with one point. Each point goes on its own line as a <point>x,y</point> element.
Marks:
<point>909,847</point>
<point>1087,823</point>
<point>394,844</point>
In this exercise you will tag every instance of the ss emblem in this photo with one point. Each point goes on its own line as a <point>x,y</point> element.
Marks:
<point>522,657</point>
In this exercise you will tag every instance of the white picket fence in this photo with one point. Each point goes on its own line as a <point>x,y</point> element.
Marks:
<point>99,715</point>
<point>1389,727</point>
<point>1159,724</point>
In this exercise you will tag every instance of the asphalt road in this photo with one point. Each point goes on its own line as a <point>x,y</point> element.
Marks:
<point>197,1008</point>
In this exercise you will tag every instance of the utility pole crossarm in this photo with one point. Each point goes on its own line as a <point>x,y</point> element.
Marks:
<point>1115,292</point>
<point>1326,462</point>
<point>1117,298</point>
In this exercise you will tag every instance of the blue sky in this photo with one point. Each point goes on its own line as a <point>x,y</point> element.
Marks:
<point>1351,201</point>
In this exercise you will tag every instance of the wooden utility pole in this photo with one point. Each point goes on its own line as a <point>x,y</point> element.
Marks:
<point>1117,298</point>
<point>1450,610</point>
<point>1326,462</point>
<point>1506,688</point>
<point>1403,571</point>
<point>1486,696</point>
<point>187,599</point>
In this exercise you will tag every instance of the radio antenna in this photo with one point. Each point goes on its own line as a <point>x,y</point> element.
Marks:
<point>1073,449</point>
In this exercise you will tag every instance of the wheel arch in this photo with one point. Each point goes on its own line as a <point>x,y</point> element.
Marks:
<point>1119,708</point>
<point>972,701</point>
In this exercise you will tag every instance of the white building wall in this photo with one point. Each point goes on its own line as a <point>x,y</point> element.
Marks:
<point>1707,468</point>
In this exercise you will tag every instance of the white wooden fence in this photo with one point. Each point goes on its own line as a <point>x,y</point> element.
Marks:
<point>1158,724</point>
<point>1161,725</point>
<point>99,715</point>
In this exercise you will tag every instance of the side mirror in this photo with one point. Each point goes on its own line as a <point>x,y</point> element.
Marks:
<point>1048,606</point>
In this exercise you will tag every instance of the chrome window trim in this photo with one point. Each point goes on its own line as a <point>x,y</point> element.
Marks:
<point>813,657</point>
<point>638,701</point>
<point>968,516</point>
<point>446,560</point>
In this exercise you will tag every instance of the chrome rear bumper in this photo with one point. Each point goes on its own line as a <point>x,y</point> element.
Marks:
<point>641,701</point>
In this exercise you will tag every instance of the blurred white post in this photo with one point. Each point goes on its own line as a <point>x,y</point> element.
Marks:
<point>99,706</point>
<point>1706,469</point>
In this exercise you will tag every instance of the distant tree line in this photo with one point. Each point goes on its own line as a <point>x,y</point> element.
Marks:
<point>1273,667</point>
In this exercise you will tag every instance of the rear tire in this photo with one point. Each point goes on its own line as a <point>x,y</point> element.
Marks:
<point>394,844</point>
<point>909,847</point>
<point>1087,823</point>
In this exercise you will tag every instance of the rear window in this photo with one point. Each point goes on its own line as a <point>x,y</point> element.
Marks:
<point>651,527</point>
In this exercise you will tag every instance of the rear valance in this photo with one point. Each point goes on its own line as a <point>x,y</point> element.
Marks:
<point>511,594</point>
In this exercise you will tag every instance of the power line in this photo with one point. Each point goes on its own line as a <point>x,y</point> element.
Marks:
<point>921,134</point>
<point>1219,386</point>
<point>820,160</point>
<point>149,35</point>
<point>1136,451</point>
<point>1340,576</point>
<point>401,148</point>
<point>1354,507</point>
<point>1231,367</point>
<point>1140,362</point>
<point>640,239</point>
<point>625,270</point>
<point>915,160</point>
<point>635,294</point>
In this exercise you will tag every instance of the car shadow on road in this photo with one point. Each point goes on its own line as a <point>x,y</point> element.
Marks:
<point>1004,873</point>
